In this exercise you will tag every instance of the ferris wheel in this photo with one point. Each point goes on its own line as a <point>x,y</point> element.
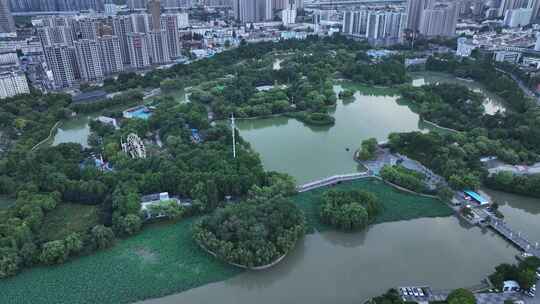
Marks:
<point>133,146</point>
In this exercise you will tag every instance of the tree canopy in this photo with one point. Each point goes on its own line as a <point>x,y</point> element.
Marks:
<point>349,210</point>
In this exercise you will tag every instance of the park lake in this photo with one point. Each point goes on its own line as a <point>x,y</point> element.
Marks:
<point>331,267</point>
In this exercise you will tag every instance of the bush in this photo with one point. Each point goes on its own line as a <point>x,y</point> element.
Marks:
<point>73,243</point>
<point>103,237</point>
<point>368,149</point>
<point>461,296</point>
<point>9,262</point>
<point>404,177</point>
<point>129,224</point>
<point>54,252</point>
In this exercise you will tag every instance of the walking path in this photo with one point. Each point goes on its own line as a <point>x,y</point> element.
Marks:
<point>332,181</point>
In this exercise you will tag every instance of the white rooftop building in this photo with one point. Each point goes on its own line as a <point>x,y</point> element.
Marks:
<point>13,83</point>
<point>464,47</point>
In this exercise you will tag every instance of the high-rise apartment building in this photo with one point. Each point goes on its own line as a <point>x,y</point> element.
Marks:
<point>136,4</point>
<point>518,17</point>
<point>88,29</point>
<point>141,22</point>
<point>122,26</point>
<point>110,55</point>
<point>57,5</point>
<point>60,60</point>
<point>154,7</point>
<point>252,10</point>
<point>378,26</point>
<point>88,60</point>
<point>414,12</point>
<point>7,24</point>
<point>159,48</point>
<point>139,50</point>
<point>171,23</point>
<point>13,83</point>
<point>177,4</point>
<point>512,4</point>
<point>440,20</point>
<point>55,35</point>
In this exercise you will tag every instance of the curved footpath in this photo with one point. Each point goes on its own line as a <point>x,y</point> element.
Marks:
<point>51,134</point>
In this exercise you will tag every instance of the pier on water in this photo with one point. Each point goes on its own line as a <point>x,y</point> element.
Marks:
<point>516,238</point>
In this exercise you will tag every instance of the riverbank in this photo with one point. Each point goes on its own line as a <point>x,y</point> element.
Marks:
<point>164,259</point>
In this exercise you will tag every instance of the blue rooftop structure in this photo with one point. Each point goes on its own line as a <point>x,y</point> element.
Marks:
<point>477,197</point>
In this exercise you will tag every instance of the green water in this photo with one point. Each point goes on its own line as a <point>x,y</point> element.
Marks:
<point>492,102</point>
<point>334,267</point>
<point>309,153</point>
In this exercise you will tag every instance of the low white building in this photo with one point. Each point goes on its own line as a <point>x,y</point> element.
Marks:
<point>464,47</point>
<point>151,203</point>
<point>13,83</point>
<point>507,56</point>
<point>531,62</point>
<point>288,16</point>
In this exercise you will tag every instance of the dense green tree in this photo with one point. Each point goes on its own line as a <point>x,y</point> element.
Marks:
<point>461,296</point>
<point>103,237</point>
<point>9,262</point>
<point>348,210</point>
<point>252,233</point>
<point>53,252</point>
<point>73,243</point>
<point>129,224</point>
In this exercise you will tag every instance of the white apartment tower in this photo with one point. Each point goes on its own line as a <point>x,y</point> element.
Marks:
<point>159,48</point>
<point>439,21</point>
<point>60,61</point>
<point>377,26</point>
<point>170,23</point>
<point>110,55</point>
<point>7,24</point>
<point>139,50</point>
<point>122,26</point>
<point>13,83</point>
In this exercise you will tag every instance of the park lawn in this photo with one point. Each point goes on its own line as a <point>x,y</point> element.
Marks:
<point>66,219</point>
<point>163,259</point>
<point>367,89</point>
<point>397,205</point>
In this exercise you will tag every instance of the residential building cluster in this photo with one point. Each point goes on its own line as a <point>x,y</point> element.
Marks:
<point>432,18</point>
<point>379,25</point>
<point>87,49</point>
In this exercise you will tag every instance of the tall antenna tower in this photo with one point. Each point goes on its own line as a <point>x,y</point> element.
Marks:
<point>233,127</point>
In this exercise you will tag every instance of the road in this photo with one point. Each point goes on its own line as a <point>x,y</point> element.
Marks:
<point>523,87</point>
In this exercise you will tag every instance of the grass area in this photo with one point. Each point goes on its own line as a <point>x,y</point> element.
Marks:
<point>397,205</point>
<point>66,219</point>
<point>161,260</point>
<point>369,89</point>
